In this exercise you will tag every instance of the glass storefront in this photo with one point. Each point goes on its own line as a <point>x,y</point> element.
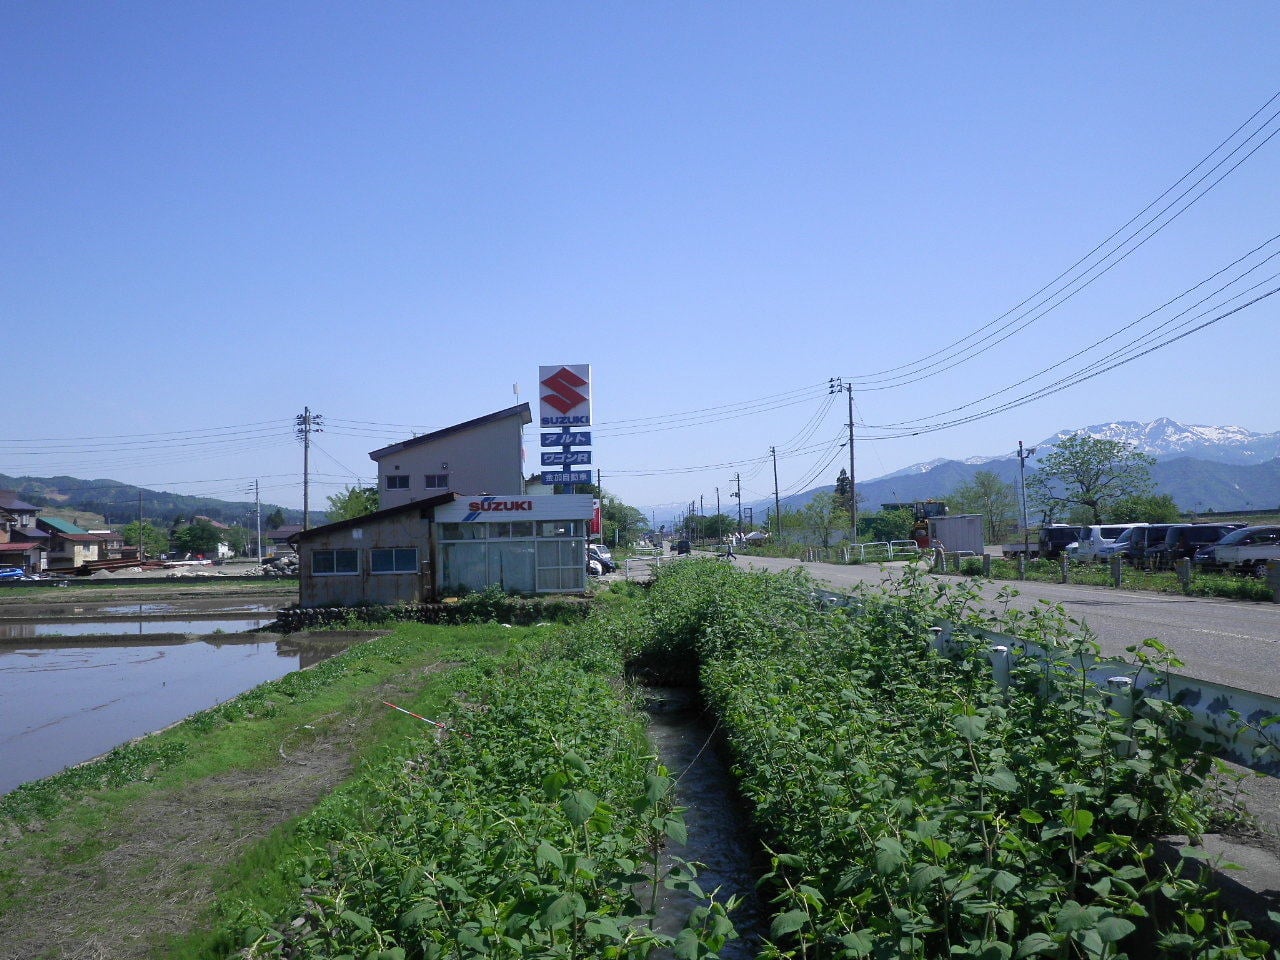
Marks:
<point>543,556</point>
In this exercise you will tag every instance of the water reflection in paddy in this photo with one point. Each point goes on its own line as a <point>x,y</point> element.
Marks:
<point>61,705</point>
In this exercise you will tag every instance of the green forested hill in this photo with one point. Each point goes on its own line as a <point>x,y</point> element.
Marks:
<point>118,502</point>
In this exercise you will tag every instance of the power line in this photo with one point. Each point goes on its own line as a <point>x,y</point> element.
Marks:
<point>868,381</point>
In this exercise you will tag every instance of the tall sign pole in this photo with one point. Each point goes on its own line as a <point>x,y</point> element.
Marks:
<point>564,416</point>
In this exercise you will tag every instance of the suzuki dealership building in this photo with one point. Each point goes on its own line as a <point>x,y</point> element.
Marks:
<point>447,527</point>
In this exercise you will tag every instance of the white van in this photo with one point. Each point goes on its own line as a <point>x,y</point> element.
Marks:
<point>1093,537</point>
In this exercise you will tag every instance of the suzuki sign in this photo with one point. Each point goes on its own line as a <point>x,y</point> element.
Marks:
<point>564,395</point>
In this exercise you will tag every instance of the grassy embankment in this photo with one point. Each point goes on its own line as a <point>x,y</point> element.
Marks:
<point>234,773</point>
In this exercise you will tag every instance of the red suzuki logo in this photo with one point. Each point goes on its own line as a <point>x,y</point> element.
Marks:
<point>563,385</point>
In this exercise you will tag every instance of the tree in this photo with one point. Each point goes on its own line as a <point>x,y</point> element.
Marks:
<point>352,502</point>
<point>200,537</point>
<point>885,525</point>
<point>990,496</point>
<point>1153,508</point>
<point>842,490</point>
<point>821,516</point>
<point>1089,473</point>
<point>154,540</point>
<point>275,519</point>
<point>621,525</point>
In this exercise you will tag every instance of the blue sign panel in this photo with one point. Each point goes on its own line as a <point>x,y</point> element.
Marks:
<point>572,439</point>
<point>566,476</point>
<point>566,458</point>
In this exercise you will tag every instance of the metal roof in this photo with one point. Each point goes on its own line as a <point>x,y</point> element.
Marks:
<point>65,527</point>
<point>9,501</point>
<point>520,410</point>
<point>374,517</point>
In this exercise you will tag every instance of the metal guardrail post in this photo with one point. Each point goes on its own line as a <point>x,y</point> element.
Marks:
<point>1022,566</point>
<point>1117,570</point>
<point>986,564</point>
<point>1064,565</point>
<point>941,642</point>
<point>1183,568</point>
<point>1120,699</point>
<point>1001,665</point>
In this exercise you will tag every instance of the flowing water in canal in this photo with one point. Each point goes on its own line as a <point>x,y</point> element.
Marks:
<point>720,835</point>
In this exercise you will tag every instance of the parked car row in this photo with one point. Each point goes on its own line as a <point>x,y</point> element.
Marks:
<point>1246,550</point>
<point>1230,547</point>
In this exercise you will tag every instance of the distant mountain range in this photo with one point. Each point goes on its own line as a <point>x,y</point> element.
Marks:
<point>1203,468</point>
<point>118,502</point>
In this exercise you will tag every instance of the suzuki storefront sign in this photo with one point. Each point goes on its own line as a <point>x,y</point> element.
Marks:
<point>564,394</point>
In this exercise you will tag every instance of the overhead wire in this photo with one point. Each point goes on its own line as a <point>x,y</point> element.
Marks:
<point>913,368</point>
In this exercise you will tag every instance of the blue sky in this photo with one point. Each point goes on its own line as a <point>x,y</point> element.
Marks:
<point>215,215</point>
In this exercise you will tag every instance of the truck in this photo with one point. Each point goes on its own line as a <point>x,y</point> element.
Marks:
<point>1246,550</point>
<point>1048,543</point>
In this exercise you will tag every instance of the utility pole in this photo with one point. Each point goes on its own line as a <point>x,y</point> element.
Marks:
<point>257,504</point>
<point>308,423</point>
<point>141,539</point>
<point>777,503</point>
<point>1022,482</point>
<point>837,385</point>
<point>737,478</point>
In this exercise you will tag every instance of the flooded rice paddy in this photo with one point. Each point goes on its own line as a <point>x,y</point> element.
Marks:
<point>72,688</point>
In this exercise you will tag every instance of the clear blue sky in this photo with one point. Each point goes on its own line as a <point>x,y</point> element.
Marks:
<point>216,214</point>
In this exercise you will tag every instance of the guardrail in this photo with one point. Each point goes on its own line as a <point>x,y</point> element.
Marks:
<point>1234,722</point>
<point>876,550</point>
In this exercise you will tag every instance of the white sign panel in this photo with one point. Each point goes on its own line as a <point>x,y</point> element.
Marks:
<point>487,509</point>
<point>564,395</point>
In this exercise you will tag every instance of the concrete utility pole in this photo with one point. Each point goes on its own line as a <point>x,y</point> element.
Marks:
<point>777,503</point>
<point>837,385</point>
<point>737,478</point>
<point>1023,456</point>
<point>308,423</point>
<point>257,507</point>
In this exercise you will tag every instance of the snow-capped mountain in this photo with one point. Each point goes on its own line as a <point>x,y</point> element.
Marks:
<point>1166,439</point>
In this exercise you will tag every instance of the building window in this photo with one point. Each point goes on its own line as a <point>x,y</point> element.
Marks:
<point>394,560</point>
<point>335,562</point>
<point>397,481</point>
<point>437,481</point>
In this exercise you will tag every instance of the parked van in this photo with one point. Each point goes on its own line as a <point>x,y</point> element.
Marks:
<point>1092,538</point>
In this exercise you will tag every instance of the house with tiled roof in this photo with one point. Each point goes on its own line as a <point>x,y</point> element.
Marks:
<point>69,545</point>
<point>22,543</point>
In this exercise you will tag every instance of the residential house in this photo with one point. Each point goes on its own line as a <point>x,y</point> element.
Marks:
<point>22,543</point>
<point>69,545</point>
<point>483,455</point>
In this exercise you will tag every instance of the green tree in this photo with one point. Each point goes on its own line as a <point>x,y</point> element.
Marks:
<point>1152,508</point>
<point>1088,473</point>
<point>199,537</point>
<point>842,490</point>
<point>352,502</point>
<point>885,525</point>
<point>990,496</point>
<point>154,540</point>
<point>822,516</point>
<point>275,519</point>
<point>621,525</point>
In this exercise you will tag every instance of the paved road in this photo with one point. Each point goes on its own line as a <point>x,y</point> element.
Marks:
<point>1226,641</point>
